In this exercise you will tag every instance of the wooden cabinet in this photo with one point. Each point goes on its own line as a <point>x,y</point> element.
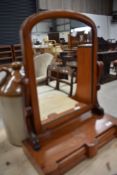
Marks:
<point>80,38</point>
<point>6,54</point>
<point>17,52</point>
<point>54,36</point>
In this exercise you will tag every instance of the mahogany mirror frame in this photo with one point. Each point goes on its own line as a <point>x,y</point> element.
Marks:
<point>31,100</point>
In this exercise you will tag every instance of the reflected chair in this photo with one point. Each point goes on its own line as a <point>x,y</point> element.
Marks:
<point>62,75</point>
<point>41,63</point>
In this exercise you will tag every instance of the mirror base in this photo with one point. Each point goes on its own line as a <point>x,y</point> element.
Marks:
<point>67,146</point>
<point>98,110</point>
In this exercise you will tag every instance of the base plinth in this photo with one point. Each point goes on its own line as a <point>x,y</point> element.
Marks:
<point>68,145</point>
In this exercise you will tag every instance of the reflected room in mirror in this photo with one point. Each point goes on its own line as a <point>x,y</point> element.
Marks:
<point>65,122</point>
<point>55,45</point>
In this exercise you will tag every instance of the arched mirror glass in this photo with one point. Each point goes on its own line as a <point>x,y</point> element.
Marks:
<point>55,44</point>
<point>63,52</point>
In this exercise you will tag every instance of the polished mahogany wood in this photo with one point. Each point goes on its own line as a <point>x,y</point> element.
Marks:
<point>66,146</point>
<point>11,85</point>
<point>31,92</point>
<point>84,91</point>
<point>65,139</point>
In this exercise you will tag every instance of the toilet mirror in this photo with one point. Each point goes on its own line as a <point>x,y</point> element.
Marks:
<point>60,63</point>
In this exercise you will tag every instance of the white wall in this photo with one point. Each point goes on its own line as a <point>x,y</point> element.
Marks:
<point>40,31</point>
<point>101,22</point>
<point>42,27</point>
<point>113,29</point>
<point>105,28</point>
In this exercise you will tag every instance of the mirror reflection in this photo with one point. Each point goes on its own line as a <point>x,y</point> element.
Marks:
<point>55,44</point>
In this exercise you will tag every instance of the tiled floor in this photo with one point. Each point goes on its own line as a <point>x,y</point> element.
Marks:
<point>14,162</point>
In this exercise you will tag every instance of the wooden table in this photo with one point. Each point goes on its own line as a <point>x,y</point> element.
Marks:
<point>107,57</point>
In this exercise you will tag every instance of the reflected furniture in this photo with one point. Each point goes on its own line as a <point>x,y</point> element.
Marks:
<point>106,57</point>
<point>40,49</point>
<point>68,55</point>
<point>41,63</point>
<point>49,46</point>
<point>57,144</point>
<point>61,74</point>
<point>80,38</point>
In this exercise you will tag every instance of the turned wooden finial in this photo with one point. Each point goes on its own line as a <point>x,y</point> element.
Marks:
<point>16,65</point>
<point>11,84</point>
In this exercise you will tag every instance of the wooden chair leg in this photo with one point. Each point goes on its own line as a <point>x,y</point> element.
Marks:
<point>71,83</point>
<point>57,84</point>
